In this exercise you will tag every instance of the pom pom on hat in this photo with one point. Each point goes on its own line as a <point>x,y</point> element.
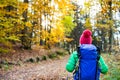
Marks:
<point>86,37</point>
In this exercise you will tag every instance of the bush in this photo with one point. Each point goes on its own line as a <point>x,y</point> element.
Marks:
<point>113,74</point>
<point>5,65</point>
<point>2,50</point>
<point>30,60</point>
<point>114,70</point>
<point>37,59</point>
<point>44,57</point>
<point>61,53</point>
<point>53,55</point>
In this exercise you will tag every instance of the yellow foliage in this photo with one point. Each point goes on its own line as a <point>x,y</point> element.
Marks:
<point>110,22</point>
<point>64,6</point>
<point>44,34</point>
<point>87,4</point>
<point>32,15</point>
<point>56,35</point>
<point>22,7</point>
<point>82,12</point>
<point>100,26</point>
<point>88,24</point>
<point>2,5</point>
<point>28,24</point>
<point>68,39</point>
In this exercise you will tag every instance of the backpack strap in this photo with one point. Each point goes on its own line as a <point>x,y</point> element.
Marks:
<point>77,64</point>
<point>99,53</point>
<point>98,57</point>
<point>79,56</point>
<point>78,52</point>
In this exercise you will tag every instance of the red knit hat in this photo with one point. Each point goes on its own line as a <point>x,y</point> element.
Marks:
<point>86,38</point>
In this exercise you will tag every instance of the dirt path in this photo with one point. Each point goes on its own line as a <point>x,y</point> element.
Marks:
<point>45,70</point>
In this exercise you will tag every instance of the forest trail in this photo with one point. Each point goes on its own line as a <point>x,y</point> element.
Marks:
<point>45,70</point>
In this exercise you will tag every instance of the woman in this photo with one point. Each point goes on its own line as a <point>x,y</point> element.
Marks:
<point>86,47</point>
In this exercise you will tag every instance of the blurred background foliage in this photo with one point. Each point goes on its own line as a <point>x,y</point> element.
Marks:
<point>58,23</point>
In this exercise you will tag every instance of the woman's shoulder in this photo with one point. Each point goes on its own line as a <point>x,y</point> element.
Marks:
<point>74,52</point>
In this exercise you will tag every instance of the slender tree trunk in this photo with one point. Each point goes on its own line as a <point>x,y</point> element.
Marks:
<point>26,35</point>
<point>110,31</point>
<point>40,27</point>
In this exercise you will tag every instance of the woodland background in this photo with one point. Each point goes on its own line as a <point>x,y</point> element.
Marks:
<point>32,25</point>
<point>51,23</point>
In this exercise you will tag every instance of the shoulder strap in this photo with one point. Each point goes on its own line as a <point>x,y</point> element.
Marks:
<point>98,51</point>
<point>78,51</point>
<point>79,56</point>
<point>98,57</point>
<point>76,70</point>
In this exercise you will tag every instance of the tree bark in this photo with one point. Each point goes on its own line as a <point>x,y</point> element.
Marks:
<point>26,35</point>
<point>110,31</point>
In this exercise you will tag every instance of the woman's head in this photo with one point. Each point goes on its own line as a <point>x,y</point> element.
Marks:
<point>86,38</point>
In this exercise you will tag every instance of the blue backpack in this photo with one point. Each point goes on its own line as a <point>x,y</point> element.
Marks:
<point>88,63</point>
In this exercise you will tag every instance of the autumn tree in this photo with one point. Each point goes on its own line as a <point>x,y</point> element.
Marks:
<point>47,19</point>
<point>26,32</point>
<point>8,21</point>
<point>82,21</point>
<point>106,23</point>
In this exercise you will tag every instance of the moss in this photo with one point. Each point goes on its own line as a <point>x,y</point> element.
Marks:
<point>37,59</point>
<point>61,53</point>
<point>2,50</point>
<point>52,56</point>
<point>44,57</point>
<point>30,60</point>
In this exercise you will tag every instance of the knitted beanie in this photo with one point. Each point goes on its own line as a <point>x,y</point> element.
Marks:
<point>86,38</point>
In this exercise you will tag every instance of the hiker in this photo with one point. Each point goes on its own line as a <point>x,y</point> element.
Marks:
<point>86,63</point>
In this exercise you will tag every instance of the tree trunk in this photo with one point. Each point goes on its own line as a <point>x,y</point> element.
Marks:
<point>26,33</point>
<point>110,31</point>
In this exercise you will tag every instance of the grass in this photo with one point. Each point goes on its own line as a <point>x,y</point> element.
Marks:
<point>113,63</point>
<point>52,56</point>
<point>57,54</point>
<point>44,57</point>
